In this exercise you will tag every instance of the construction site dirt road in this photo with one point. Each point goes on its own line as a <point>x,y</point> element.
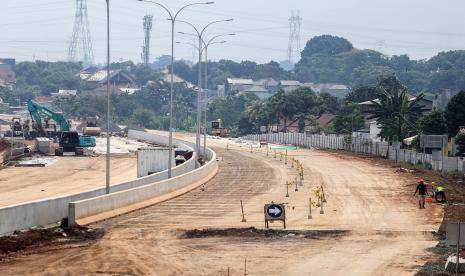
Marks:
<point>384,231</point>
<point>70,174</point>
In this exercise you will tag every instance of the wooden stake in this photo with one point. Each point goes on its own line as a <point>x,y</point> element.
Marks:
<point>243,215</point>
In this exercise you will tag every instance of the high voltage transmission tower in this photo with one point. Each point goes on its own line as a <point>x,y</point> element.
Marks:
<point>293,50</point>
<point>148,19</point>
<point>80,46</point>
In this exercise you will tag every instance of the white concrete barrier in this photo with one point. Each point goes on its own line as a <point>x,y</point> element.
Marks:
<point>106,206</point>
<point>52,210</point>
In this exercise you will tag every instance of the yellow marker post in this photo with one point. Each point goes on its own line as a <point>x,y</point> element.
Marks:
<point>285,160</point>
<point>227,146</point>
<point>292,162</point>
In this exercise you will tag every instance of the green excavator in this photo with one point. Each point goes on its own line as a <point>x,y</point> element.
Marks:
<point>70,141</point>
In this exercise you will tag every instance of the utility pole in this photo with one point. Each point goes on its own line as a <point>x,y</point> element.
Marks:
<point>107,170</point>
<point>80,39</point>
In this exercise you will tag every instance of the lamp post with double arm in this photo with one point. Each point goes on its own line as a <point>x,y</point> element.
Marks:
<point>200,33</point>
<point>173,18</point>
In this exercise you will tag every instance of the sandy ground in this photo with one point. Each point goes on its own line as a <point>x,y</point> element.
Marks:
<point>69,174</point>
<point>387,235</point>
<point>66,176</point>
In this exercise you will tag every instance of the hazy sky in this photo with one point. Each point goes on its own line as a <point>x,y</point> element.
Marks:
<point>420,28</point>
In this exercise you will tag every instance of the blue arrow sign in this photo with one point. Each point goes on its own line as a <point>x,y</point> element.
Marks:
<point>274,210</point>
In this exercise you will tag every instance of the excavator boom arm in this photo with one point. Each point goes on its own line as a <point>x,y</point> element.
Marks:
<point>35,110</point>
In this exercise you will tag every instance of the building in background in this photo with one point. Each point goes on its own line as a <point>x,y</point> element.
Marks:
<point>265,88</point>
<point>261,92</point>
<point>63,93</point>
<point>97,79</point>
<point>334,89</point>
<point>237,85</point>
<point>289,85</point>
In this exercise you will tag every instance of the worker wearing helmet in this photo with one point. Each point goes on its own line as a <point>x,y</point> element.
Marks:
<point>434,186</point>
<point>439,194</point>
<point>422,193</point>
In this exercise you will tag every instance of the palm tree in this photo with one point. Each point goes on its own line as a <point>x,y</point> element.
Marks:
<point>393,110</point>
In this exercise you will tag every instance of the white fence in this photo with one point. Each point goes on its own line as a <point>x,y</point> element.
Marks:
<point>361,145</point>
<point>52,210</point>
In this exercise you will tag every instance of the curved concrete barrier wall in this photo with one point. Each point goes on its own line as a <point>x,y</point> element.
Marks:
<point>102,204</point>
<point>52,210</point>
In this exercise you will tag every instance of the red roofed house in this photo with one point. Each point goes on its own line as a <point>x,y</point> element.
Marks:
<point>306,125</point>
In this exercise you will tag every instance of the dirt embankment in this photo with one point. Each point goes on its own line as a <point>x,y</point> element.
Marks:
<point>41,240</point>
<point>253,233</point>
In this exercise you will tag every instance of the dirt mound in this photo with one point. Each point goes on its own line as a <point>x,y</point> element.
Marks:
<point>40,238</point>
<point>253,232</point>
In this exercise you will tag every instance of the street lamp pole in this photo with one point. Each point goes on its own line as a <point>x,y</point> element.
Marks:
<point>199,113</point>
<point>210,42</point>
<point>107,170</point>
<point>205,102</point>
<point>173,20</point>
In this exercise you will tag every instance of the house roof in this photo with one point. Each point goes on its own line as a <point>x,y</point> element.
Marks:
<point>166,76</point>
<point>325,119</point>
<point>67,91</point>
<point>240,81</point>
<point>290,83</point>
<point>369,102</point>
<point>256,88</point>
<point>267,82</point>
<point>338,87</point>
<point>43,99</point>
<point>101,76</point>
<point>329,86</point>
<point>378,101</point>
